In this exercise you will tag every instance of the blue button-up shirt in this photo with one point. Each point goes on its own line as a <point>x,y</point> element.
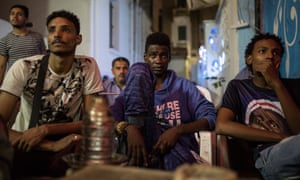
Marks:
<point>112,90</point>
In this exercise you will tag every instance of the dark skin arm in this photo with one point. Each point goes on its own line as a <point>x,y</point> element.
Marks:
<point>35,136</point>
<point>289,107</point>
<point>137,153</point>
<point>169,138</point>
<point>226,125</point>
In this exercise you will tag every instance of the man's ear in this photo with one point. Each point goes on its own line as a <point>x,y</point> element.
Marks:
<point>78,39</point>
<point>249,59</point>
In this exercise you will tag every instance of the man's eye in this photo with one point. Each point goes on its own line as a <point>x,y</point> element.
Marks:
<point>66,30</point>
<point>152,55</point>
<point>261,51</point>
<point>20,14</point>
<point>276,53</point>
<point>164,56</point>
<point>16,14</point>
<point>51,30</point>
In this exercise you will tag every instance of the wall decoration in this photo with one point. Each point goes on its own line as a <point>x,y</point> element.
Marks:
<point>282,18</point>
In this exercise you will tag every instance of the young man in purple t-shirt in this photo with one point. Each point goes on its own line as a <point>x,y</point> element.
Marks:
<point>263,112</point>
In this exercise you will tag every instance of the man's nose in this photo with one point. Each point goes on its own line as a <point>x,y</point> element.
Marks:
<point>158,58</point>
<point>124,70</point>
<point>270,55</point>
<point>57,33</point>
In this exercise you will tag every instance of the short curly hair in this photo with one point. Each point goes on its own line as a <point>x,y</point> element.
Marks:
<point>158,38</point>
<point>67,15</point>
<point>259,37</point>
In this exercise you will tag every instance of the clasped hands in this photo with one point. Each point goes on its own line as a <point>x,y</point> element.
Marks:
<point>34,138</point>
<point>137,153</point>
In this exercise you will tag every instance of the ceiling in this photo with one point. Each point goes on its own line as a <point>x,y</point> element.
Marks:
<point>199,4</point>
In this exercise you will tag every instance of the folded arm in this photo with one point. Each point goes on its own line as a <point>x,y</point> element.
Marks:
<point>169,138</point>
<point>35,137</point>
<point>290,108</point>
<point>227,126</point>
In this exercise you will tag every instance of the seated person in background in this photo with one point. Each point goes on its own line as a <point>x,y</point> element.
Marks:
<point>119,68</point>
<point>262,111</point>
<point>71,82</point>
<point>6,153</point>
<point>159,112</point>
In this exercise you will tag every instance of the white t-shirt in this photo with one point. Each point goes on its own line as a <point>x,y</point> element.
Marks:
<point>62,95</point>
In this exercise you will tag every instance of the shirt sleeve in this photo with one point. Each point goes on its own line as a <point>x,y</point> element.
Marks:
<point>15,78</point>
<point>93,81</point>
<point>231,98</point>
<point>202,108</point>
<point>3,48</point>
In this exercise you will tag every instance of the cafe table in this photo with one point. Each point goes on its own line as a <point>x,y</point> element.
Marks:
<point>184,172</point>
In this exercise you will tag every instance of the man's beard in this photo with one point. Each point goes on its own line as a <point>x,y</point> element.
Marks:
<point>62,53</point>
<point>122,81</point>
<point>18,26</point>
<point>259,74</point>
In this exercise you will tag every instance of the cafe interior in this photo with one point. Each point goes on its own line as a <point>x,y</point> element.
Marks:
<point>208,40</point>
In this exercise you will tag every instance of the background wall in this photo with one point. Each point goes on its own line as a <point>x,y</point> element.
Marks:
<point>282,18</point>
<point>236,22</point>
<point>5,27</point>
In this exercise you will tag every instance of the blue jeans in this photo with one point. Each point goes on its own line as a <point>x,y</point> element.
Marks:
<point>280,161</point>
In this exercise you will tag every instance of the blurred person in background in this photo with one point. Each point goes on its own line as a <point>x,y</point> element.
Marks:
<point>113,87</point>
<point>20,42</point>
